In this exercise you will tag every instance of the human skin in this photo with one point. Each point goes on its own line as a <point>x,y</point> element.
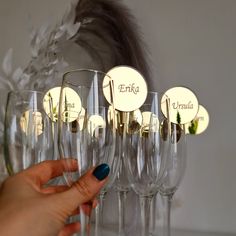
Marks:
<point>27,207</point>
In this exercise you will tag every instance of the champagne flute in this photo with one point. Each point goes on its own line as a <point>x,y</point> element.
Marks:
<point>146,161</point>
<point>27,131</point>
<point>122,188</point>
<point>122,185</point>
<point>174,172</point>
<point>85,130</point>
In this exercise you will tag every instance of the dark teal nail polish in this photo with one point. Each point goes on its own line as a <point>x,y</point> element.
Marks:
<point>101,171</point>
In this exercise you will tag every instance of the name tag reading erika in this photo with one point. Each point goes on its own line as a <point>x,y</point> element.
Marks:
<point>129,88</point>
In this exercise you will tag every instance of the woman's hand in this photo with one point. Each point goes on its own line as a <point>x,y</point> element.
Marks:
<point>27,207</point>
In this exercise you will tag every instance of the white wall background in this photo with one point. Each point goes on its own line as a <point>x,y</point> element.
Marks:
<point>192,43</point>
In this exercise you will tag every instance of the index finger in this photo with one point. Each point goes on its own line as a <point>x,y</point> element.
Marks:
<point>41,173</point>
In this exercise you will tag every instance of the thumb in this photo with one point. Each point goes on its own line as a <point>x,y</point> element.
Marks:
<point>85,189</point>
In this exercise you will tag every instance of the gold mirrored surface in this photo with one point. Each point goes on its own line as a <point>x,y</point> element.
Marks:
<point>150,122</point>
<point>31,123</point>
<point>130,121</point>
<point>135,121</point>
<point>200,123</point>
<point>130,88</point>
<point>71,104</point>
<point>95,122</point>
<point>183,105</point>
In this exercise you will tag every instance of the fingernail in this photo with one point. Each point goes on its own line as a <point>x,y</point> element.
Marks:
<point>101,171</point>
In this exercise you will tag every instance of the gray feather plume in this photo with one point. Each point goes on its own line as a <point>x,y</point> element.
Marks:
<point>110,34</point>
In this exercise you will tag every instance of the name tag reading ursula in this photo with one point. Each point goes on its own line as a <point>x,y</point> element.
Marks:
<point>183,105</point>
<point>129,88</point>
<point>71,104</point>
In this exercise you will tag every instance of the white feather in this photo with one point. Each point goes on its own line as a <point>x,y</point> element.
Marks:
<point>7,63</point>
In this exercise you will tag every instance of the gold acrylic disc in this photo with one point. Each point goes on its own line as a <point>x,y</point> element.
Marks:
<point>95,122</point>
<point>150,122</point>
<point>131,121</point>
<point>129,88</point>
<point>71,104</point>
<point>31,123</point>
<point>183,105</point>
<point>199,124</point>
<point>135,120</point>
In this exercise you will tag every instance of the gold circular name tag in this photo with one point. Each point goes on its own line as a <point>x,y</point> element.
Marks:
<point>70,100</point>
<point>183,105</point>
<point>199,124</point>
<point>129,88</point>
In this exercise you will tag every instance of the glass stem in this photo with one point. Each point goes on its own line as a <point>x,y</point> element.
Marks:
<point>153,214</point>
<point>145,203</point>
<point>167,214</point>
<point>122,195</point>
<point>98,215</point>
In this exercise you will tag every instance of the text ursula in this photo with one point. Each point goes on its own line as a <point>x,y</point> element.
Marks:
<point>182,106</point>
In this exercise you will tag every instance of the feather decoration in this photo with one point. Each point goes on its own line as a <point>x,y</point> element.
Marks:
<point>8,81</point>
<point>46,49</point>
<point>46,57</point>
<point>106,29</point>
<point>110,34</point>
<point>7,62</point>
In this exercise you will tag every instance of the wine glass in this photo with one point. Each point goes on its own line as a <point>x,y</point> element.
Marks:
<point>86,131</point>
<point>174,172</point>
<point>27,131</point>
<point>122,185</point>
<point>147,153</point>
